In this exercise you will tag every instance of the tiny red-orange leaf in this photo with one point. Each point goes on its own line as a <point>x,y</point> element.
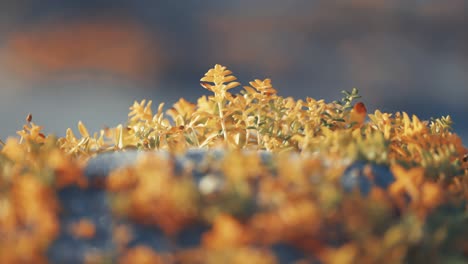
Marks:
<point>360,108</point>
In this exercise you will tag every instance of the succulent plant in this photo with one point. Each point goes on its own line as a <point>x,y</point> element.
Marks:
<point>249,176</point>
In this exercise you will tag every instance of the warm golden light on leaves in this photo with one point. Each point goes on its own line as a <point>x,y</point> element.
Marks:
<point>273,174</point>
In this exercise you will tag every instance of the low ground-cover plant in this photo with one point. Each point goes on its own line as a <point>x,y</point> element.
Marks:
<point>246,177</point>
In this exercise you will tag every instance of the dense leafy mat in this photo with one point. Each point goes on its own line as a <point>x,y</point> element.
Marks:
<point>251,177</point>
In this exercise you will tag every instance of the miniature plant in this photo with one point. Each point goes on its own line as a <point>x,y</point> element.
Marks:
<point>252,173</point>
<point>222,81</point>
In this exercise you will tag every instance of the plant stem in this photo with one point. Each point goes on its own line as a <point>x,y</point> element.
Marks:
<point>258,130</point>
<point>223,125</point>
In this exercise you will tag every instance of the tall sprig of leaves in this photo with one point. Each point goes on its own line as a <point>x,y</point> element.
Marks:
<point>261,93</point>
<point>221,81</point>
<point>340,112</point>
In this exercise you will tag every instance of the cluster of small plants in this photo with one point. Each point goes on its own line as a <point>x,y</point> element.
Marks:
<point>246,177</point>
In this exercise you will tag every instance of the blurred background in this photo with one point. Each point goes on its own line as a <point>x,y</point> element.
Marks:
<point>65,61</point>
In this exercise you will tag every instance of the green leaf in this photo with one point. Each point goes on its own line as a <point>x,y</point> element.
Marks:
<point>187,138</point>
<point>338,119</point>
